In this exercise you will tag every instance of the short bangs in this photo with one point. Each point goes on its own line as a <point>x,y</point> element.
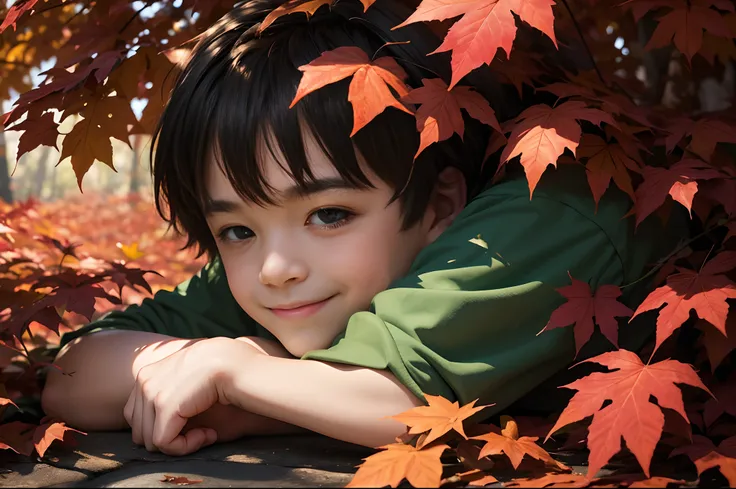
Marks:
<point>234,94</point>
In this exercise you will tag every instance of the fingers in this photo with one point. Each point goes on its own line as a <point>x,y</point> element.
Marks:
<point>191,441</point>
<point>148,422</point>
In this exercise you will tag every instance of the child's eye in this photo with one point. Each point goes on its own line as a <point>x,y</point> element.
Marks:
<point>235,234</point>
<point>330,217</point>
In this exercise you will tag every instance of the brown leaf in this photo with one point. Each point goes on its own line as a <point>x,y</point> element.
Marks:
<point>179,480</point>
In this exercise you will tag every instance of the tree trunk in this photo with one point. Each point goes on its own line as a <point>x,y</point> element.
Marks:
<point>135,181</point>
<point>41,171</point>
<point>6,192</point>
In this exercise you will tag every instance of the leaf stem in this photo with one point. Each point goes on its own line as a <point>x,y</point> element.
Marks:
<point>664,260</point>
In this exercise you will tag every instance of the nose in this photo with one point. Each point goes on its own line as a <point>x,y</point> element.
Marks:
<point>280,269</point>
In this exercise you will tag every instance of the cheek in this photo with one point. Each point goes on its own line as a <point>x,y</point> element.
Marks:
<point>367,262</point>
<point>241,277</point>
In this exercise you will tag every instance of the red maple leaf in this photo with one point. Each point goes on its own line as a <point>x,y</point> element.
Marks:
<point>369,90</point>
<point>679,181</point>
<point>582,306</point>
<point>17,436</point>
<point>542,133</point>
<point>705,291</point>
<point>705,455</point>
<point>718,346</point>
<point>723,402</point>
<point>37,131</point>
<point>706,134</point>
<point>440,117</point>
<point>630,414</point>
<point>605,162</point>
<point>486,25</point>
<point>686,23</point>
<point>16,11</point>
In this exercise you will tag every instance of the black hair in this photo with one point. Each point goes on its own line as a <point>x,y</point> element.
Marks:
<point>234,92</point>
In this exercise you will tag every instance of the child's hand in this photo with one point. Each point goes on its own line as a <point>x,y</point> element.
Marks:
<point>169,392</point>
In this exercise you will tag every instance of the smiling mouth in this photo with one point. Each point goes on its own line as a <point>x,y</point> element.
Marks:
<point>300,310</point>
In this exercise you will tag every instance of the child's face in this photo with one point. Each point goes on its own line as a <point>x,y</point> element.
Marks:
<point>302,267</point>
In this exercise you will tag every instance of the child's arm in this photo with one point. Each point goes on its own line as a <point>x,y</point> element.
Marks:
<point>344,402</point>
<point>99,372</point>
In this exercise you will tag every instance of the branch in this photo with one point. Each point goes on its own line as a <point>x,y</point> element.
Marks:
<point>585,44</point>
<point>6,62</point>
<point>135,15</point>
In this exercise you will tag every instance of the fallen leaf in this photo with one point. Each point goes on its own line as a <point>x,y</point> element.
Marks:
<point>550,480</point>
<point>179,480</point>
<point>515,447</point>
<point>45,434</point>
<point>630,414</point>
<point>438,418</point>
<point>421,467</point>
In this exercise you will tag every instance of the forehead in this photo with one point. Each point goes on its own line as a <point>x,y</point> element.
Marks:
<point>274,169</point>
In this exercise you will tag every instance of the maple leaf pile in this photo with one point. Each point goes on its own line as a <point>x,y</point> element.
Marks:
<point>647,109</point>
<point>63,264</point>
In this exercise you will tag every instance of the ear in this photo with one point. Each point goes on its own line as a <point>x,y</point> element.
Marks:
<point>449,198</point>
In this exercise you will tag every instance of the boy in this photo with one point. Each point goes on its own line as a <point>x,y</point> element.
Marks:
<point>336,294</point>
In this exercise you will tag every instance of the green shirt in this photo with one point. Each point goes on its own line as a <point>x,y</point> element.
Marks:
<point>464,322</point>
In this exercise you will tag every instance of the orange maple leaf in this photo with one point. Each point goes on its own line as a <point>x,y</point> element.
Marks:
<point>421,467</point>
<point>630,414</point>
<point>705,291</point>
<point>679,181</point>
<point>15,12</point>
<point>582,306</point>
<point>369,92</point>
<point>486,26</point>
<point>513,446</point>
<point>542,133</point>
<point>553,479</point>
<point>605,162</point>
<point>45,434</point>
<point>440,117</point>
<point>705,455</point>
<point>686,23</point>
<point>438,418</point>
<point>309,7</point>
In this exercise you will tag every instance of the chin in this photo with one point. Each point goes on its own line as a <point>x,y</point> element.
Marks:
<point>299,350</point>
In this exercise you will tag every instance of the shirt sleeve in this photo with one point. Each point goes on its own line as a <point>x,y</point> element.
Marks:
<point>464,322</point>
<point>201,307</point>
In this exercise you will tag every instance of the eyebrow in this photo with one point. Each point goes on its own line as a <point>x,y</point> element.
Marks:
<point>217,206</point>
